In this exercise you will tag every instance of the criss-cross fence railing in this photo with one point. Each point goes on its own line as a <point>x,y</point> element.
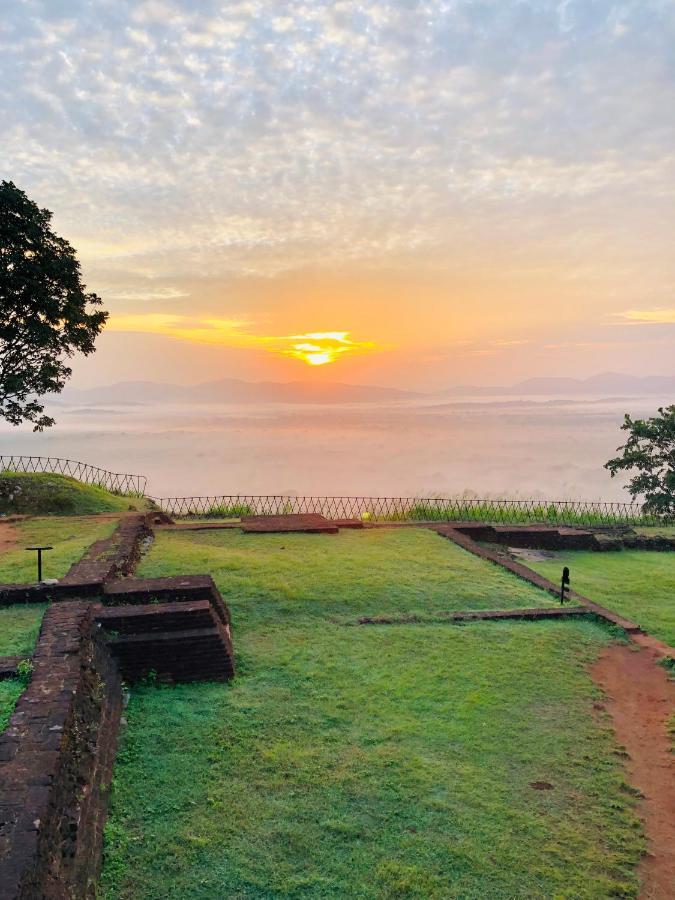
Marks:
<point>392,509</point>
<point>113,481</point>
<point>376,509</point>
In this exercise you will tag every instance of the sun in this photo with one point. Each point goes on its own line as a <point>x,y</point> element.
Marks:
<point>313,354</point>
<point>320,348</point>
<point>319,359</point>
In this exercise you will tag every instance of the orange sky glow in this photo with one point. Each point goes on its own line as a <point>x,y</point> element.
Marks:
<point>315,348</point>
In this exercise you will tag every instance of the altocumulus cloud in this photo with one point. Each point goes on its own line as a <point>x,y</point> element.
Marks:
<point>205,139</point>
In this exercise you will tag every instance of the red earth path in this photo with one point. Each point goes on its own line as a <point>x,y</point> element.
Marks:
<point>641,701</point>
<point>8,537</point>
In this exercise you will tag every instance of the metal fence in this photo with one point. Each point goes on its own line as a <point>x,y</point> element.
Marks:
<point>375,509</point>
<point>392,509</point>
<point>113,481</point>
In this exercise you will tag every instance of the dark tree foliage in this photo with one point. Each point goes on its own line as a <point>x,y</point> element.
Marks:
<point>650,452</point>
<point>45,314</point>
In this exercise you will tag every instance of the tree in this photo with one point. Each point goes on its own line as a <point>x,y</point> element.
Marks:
<point>46,316</point>
<point>650,450</point>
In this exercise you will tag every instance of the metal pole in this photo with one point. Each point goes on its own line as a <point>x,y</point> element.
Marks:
<point>39,559</point>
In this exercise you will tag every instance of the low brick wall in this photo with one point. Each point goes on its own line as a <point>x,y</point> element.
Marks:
<point>56,761</point>
<point>531,614</point>
<point>535,537</point>
<point>11,594</point>
<point>114,556</point>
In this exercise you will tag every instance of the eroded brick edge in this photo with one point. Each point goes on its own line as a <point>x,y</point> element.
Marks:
<point>56,759</point>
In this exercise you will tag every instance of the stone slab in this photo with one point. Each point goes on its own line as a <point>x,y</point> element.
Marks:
<point>306,523</point>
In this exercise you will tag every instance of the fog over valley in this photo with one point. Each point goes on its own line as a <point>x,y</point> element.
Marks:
<point>512,445</point>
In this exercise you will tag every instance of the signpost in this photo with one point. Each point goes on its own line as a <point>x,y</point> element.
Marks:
<point>39,559</point>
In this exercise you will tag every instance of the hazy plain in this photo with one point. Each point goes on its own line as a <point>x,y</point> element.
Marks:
<point>547,448</point>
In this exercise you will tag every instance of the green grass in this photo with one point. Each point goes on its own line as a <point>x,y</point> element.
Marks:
<point>364,761</point>
<point>43,493</point>
<point>505,512</point>
<point>638,584</point>
<point>19,627</point>
<point>377,763</point>
<point>10,691</point>
<point>70,538</point>
<point>277,577</point>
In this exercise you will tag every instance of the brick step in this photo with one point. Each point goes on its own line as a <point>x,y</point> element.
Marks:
<point>150,617</point>
<point>192,637</point>
<point>194,653</point>
<point>168,590</point>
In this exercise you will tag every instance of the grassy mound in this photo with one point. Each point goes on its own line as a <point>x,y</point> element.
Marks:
<point>42,493</point>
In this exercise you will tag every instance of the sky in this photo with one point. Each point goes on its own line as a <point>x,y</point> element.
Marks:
<point>415,194</point>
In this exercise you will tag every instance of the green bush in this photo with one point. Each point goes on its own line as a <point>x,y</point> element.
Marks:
<point>231,511</point>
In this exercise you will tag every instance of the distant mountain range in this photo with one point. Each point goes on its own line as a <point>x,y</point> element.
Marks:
<point>231,390</point>
<point>608,384</point>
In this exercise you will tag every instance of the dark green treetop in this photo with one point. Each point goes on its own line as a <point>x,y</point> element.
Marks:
<point>46,315</point>
<point>650,453</point>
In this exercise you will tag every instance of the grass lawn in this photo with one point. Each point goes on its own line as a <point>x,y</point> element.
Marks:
<point>10,691</point>
<point>277,577</point>
<point>638,584</point>
<point>377,762</point>
<point>69,537</point>
<point>366,761</point>
<point>19,627</point>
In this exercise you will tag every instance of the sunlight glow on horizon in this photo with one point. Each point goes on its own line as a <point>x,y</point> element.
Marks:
<point>315,348</point>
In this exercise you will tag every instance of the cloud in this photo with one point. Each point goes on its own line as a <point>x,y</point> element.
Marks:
<point>139,294</point>
<point>660,316</point>
<point>267,138</point>
<point>195,144</point>
<point>316,348</point>
<point>226,332</point>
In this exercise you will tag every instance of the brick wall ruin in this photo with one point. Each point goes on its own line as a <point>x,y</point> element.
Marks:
<point>57,754</point>
<point>56,761</point>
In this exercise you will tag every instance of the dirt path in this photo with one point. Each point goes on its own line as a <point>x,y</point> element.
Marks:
<point>8,537</point>
<point>640,700</point>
